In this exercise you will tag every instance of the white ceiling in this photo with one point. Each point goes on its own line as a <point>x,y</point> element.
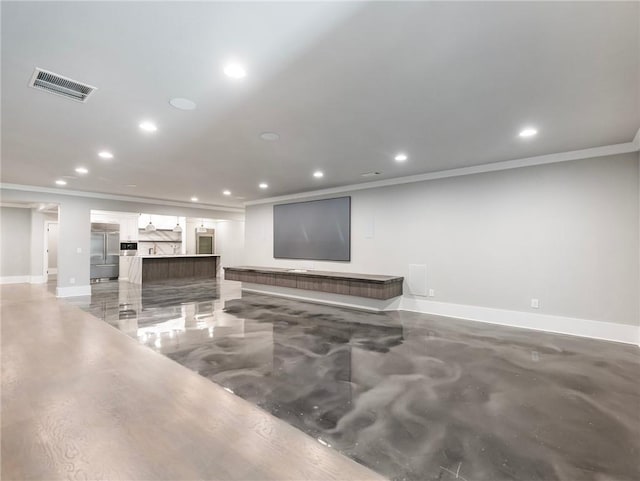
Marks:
<point>346,85</point>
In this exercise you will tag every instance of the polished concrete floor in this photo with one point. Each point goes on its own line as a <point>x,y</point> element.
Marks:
<point>82,401</point>
<point>409,395</point>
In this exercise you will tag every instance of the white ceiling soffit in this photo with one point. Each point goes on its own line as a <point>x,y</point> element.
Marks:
<point>42,207</point>
<point>125,198</point>
<point>17,205</point>
<point>345,85</point>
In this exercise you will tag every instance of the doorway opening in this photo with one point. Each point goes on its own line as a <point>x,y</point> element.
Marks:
<point>51,236</point>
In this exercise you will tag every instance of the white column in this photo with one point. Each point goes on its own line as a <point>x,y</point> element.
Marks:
<point>74,243</point>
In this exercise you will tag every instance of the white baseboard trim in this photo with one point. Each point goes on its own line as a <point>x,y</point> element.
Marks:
<point>73,291</point>
<point>609,331</point>
<point>15,279</point>
<point>37,280</point>
<point>340,300</point>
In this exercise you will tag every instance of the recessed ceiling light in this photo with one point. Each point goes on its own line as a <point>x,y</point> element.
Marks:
<point>269,136</point>
<point>528,132</point>
<point>226,192</point>
<point>82,170</point>
<point>263,185</point>
<point>61,182</point>
<point>317,174</point>
<point>183,104</point>
<point>105,155</point>
<point>235,70</point>
<point>148,126</point>
<point>401,157</point>
<point>194,199</point>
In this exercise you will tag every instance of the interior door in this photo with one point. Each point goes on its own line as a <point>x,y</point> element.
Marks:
<point>52,249</point>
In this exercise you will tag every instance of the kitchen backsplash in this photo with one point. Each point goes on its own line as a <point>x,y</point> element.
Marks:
<point>163,248</point>
<point>159,242</point>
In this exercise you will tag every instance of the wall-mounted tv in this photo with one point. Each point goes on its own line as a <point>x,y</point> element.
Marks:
<point>314,230</point>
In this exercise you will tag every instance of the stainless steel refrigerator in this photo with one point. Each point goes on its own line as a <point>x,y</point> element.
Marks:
<point>105,251</point>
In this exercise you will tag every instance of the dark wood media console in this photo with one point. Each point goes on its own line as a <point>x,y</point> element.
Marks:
<point>345,283</point>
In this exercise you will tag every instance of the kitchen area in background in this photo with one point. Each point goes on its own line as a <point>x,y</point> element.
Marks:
<point>126,246</point>
<point>120,241</point>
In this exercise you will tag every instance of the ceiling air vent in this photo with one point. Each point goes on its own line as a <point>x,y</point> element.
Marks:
<point>59,85</point>
<point>371,174</point>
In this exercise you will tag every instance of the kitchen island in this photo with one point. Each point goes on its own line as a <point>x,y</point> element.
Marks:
<point>149,268</point>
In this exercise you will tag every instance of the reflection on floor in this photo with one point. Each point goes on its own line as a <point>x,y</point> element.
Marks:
<point>409,395</point>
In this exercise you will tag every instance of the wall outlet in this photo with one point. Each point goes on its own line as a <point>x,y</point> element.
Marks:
<point>535,303</point>
<point>72,280</point>
<point>432,292</point>
<point>79,250</point>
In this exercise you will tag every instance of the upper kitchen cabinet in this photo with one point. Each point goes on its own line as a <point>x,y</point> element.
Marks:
<point>127,221</point>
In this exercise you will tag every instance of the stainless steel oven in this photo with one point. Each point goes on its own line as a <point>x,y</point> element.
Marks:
<point>205,241</point>
<point>128,248</point>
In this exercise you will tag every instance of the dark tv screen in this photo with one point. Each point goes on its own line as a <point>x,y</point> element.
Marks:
<point>314,230</point>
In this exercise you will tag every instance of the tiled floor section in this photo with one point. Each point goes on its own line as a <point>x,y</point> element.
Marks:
<point>409,395</point>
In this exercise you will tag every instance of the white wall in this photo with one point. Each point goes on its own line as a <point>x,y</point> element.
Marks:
<point>230,242</point>
<point>15,248</point>
<point>565,233</point>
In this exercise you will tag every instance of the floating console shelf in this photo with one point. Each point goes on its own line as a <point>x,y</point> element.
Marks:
<point>345,283</point>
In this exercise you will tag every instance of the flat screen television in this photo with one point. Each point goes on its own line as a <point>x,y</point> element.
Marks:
<point>314,230</point>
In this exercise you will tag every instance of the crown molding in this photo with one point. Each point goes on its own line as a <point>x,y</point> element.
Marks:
<point>125,198</point>
<point>614,149</point>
